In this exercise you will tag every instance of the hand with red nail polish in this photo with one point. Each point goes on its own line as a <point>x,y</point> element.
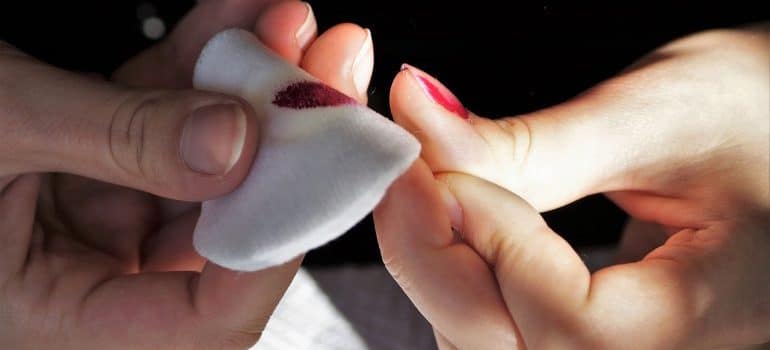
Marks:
<point>680,140</point>
<point>95,250</point>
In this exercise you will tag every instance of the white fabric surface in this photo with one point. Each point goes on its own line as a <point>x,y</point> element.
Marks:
<point>318,170</point>
<point>306,319</point>
<point>346,308</point>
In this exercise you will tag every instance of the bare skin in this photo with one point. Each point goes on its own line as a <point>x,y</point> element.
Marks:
<point>680,140</point>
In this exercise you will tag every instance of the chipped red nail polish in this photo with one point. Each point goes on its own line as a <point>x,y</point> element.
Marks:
<point>309,94</point>
<point>439,94</point>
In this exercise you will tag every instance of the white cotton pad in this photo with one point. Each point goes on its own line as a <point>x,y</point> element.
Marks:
<point>324,161</point>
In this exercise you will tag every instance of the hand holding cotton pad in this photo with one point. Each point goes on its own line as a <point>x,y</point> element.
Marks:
<point>324,161</point>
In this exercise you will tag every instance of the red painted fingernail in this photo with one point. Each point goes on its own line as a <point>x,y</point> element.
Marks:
<point>437,92</point>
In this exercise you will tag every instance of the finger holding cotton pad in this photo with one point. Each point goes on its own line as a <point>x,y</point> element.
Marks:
<point>324,161</point>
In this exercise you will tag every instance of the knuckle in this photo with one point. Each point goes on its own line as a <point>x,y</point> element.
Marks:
<point>518,134</point>
<point>127,133</point>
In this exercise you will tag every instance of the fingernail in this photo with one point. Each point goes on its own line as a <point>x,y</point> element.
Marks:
<point>213,138</point>
<point>452,206</point>
<point>307,30</point>
<point>437,92</point>
<point>363,65</point>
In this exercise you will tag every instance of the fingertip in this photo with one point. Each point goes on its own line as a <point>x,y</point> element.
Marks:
<point>446,280</point>
<point>363,67</point>
<point>450,141</point>
<point>343,58</point>
<point>185,145</point>
<point>481,198</point>
<point>514,239</point>
<point>243,135</point>
<point>400,90</point>
<point>490,213</point>
<point>405,186</point>
<point>307,31</point>
<point>433,93</point>
<point>170,248</point>
<point>411,212</point>
<point>213,138</point>
<point>288,27</point>
<point>242,300</point>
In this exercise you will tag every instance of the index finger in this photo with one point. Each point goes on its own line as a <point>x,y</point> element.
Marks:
<point>240,303</point>
<point>449,283</point>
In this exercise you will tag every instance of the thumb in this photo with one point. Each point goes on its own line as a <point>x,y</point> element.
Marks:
<point>550,157</point>
<point>186,145</point>
<point>542,279</point>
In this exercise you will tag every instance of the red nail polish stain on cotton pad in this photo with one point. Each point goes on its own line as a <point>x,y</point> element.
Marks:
<point>309,94</point>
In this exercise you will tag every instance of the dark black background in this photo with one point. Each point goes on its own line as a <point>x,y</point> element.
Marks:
<point>500,57</point>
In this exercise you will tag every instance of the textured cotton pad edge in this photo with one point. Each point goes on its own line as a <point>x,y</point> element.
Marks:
<point>279,251</point>
<point>227,65</point>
